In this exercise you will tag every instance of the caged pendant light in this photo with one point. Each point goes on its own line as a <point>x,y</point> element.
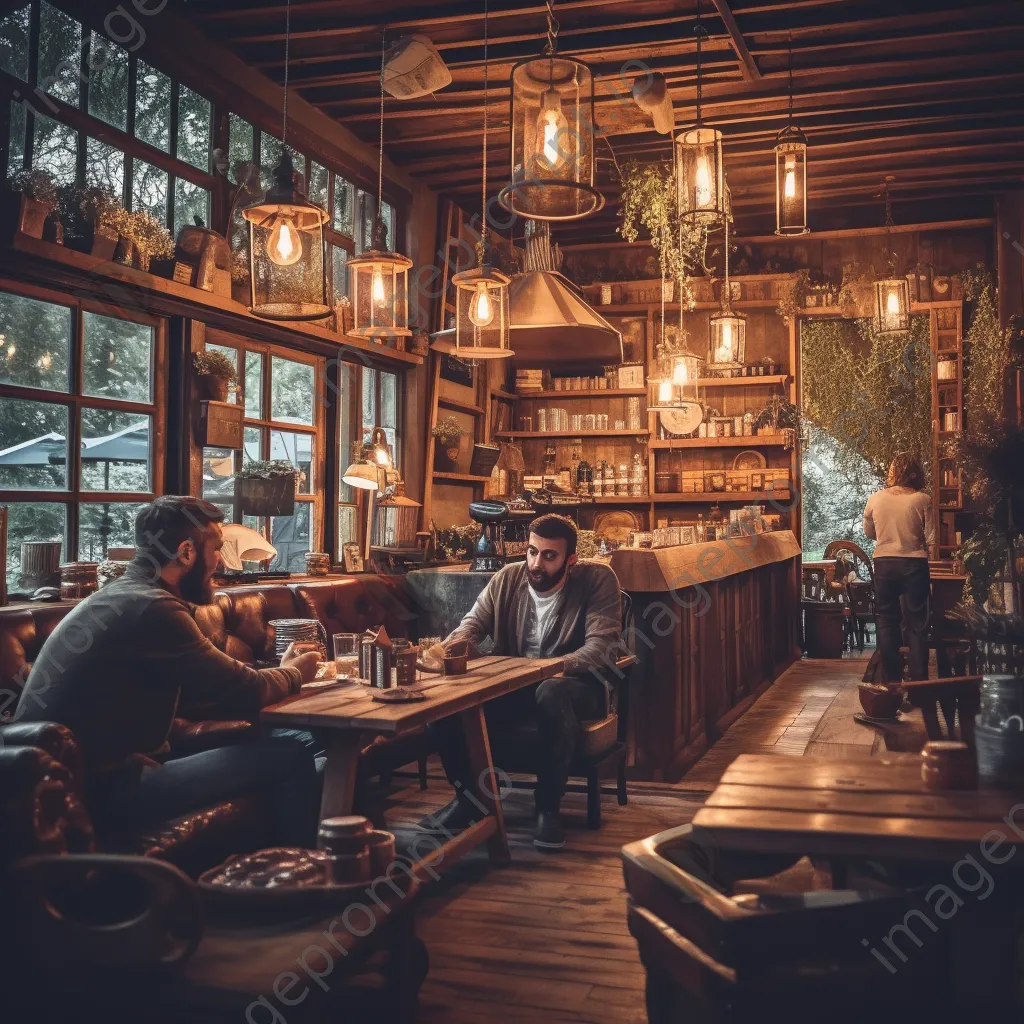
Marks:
<point>286,239</point>
<point>892,293</point>
<point>481,293</point>
<point>700,175</point>
<point>380,278</point>
<point>552,136</point>
<point>727,330</point>
<point>791,172</point>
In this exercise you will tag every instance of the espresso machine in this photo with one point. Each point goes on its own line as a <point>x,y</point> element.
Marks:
<point>503,531</point>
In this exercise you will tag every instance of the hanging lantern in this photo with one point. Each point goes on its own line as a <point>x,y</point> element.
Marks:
<point>673,380</point>
<point>380,289</point>
<point>396,520</point>
<point>892,293</point>
<point>481,294</point>
<point>892,306</point>
<point>286,251</point>
<point>380,278</point>
<point>791,182</point>
<point>552,137</point>
<point>700,172</point>
<point>727,331</point>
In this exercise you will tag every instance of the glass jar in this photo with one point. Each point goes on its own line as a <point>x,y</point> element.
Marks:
<point>542,420</point>
<point>633,413</point>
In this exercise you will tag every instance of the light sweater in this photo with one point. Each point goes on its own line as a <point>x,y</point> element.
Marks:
<point>899,520</point>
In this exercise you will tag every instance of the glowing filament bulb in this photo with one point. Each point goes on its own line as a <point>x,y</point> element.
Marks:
<point>727,335</point>
<point>377,288</point>
<point>481,309</point>
<point>551,123</point>
<point>680,373</point>
<point>702,182</point>
<point>284,247</point>
<point>790,186</point>
<point>664,391</point>
<point>892,303</point>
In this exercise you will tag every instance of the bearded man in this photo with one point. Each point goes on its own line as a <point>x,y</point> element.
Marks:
<point>549,606</point>
<point>117,667</point>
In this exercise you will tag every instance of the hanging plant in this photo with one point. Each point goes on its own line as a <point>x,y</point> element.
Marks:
<point>648,203</point>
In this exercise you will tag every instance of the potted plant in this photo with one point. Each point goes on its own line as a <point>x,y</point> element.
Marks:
<point>216,374</point>
<point>447,436</point>
<point>240,276</point>
<point>266,488</point>
<point>34,198</point>
<point>153,244</point>
<point>90,219</point>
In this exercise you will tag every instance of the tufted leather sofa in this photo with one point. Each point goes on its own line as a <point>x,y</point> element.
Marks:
<point>238,623</point>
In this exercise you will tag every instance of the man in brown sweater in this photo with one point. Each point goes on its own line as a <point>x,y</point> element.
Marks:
<point>117,667</point>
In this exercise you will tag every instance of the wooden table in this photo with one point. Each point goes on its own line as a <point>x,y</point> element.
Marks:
<point>872,807</point>
<point>352,718</point>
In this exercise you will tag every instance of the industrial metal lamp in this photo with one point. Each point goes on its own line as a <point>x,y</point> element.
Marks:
<point>727,330</point>
<point>375,468</point>
<point>791,172</point>
<point>552,136</point>
<point>287,279</point>
<point>892,293</point>
<point>380,278</point>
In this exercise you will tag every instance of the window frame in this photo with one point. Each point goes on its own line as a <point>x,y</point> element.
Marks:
<point>74,495</point>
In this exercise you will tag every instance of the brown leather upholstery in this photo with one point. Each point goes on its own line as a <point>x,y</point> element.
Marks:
<point>598,737</point>
<point>357,603</point>
<point>23,631</point>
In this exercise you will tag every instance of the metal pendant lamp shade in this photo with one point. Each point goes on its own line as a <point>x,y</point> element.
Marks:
<point>552,141</point>
<point>700,175</point>
<point>892,306</point>
<point>728,346</point>
<point>286,251</point>
<point>791,182</point>
<point>379,283</point>
<point>481,328</point>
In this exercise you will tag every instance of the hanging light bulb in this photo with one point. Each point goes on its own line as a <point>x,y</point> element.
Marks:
<point>481,309</point>
<point>551,123</point>
<point>377,289</point>
<point>892,303</point>
<point>665,392</point>
<point>702,183</point>
<point>284,247</point>
<point>680,373</point>
<point>790,187</point>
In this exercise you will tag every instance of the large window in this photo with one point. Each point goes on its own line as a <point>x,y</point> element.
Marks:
<point>80,424</point>
<point>283,422</point>
<point>139,160</point>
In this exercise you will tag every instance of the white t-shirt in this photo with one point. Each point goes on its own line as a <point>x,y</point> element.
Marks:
<point>899,521</point>
<point>542,607</point>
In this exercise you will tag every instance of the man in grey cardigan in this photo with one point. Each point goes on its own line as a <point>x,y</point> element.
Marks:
<point>550,606</point>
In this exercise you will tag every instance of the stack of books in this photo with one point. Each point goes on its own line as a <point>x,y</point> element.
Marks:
<point>529,380</point>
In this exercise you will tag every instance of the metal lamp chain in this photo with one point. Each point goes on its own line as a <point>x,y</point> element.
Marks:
<point>483,181</point>
<point>287,47</point>
<point>380,159</point>
<point>698,31</point>
<point>790,77</point>
<point>552,44</point>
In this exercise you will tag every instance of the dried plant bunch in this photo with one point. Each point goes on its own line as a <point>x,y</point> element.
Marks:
<point>213,364</point>
<point>35,184</point>
<point>447,430</point>
<point>263,470</point>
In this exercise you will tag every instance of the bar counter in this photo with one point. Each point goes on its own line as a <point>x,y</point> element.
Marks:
<point>715,625</point>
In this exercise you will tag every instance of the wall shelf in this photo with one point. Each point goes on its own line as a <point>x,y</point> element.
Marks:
<point>712,497</point>
<point>455,403</point>
<point>465,478</point>
<point>510,396</point>
<point>571,433</point>
<point>591,393</point>
<point>759,441</point>
<point>733,382</point>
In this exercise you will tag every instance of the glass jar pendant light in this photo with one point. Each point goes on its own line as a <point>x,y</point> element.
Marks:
<point>286,239</point>
<point>481,293</point>
<point>552,136</point>
<point>892,293</point>
<point>727,330</point>
<point>791,172</point>
<point>379,281</point>
<point>700,175</point>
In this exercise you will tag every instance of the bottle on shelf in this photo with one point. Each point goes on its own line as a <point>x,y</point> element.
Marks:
<point>622,482</point>
<point>598,481</point>
<point>584,478</point>
<point>637,473</point>
<point>700,528</point>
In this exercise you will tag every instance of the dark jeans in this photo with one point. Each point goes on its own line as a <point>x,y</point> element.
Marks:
<point>281,765</point>
<point>557,705</point>
<point>902,590</point>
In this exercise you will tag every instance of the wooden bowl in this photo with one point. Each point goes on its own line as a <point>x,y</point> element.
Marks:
<point>879,701</point>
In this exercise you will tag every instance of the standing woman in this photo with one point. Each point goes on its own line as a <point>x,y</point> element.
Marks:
<point>899,520</point>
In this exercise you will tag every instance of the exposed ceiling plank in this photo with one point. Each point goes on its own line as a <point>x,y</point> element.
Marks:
<point>747,63</point>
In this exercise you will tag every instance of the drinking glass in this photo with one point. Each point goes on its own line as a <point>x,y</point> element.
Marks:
<point>346,655</point>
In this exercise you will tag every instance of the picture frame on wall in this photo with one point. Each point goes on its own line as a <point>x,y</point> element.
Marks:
<point>351,557</point>
<point>458,371</point>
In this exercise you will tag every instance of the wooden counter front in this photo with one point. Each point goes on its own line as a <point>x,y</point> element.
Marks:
<point>715,625</point>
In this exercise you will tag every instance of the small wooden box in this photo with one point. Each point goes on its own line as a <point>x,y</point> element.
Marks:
<point>737,480</point>
<point>220,425</point>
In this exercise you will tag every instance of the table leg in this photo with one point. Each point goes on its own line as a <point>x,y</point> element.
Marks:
<point>483,780</point>
<point>343,749</point>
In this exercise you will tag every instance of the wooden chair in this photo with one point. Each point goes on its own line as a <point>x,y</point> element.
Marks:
<point>813,584</point>
<point>852,554</point>
<point>861,595</point>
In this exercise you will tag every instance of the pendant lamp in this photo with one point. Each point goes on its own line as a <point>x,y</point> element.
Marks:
<point>700,176</point>
<point>481,293</point>
<point>727,330</point>
<point>286,239</point>
<point>379,278</point>
<point>552,136</point>
<point>791,172</point>
<point>892,293</point>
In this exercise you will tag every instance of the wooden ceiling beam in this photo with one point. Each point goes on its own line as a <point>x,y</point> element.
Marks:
<point>747,63</point>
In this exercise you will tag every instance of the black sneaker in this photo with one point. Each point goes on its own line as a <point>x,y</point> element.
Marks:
<point>453,817</point>
<point>549,834</point>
